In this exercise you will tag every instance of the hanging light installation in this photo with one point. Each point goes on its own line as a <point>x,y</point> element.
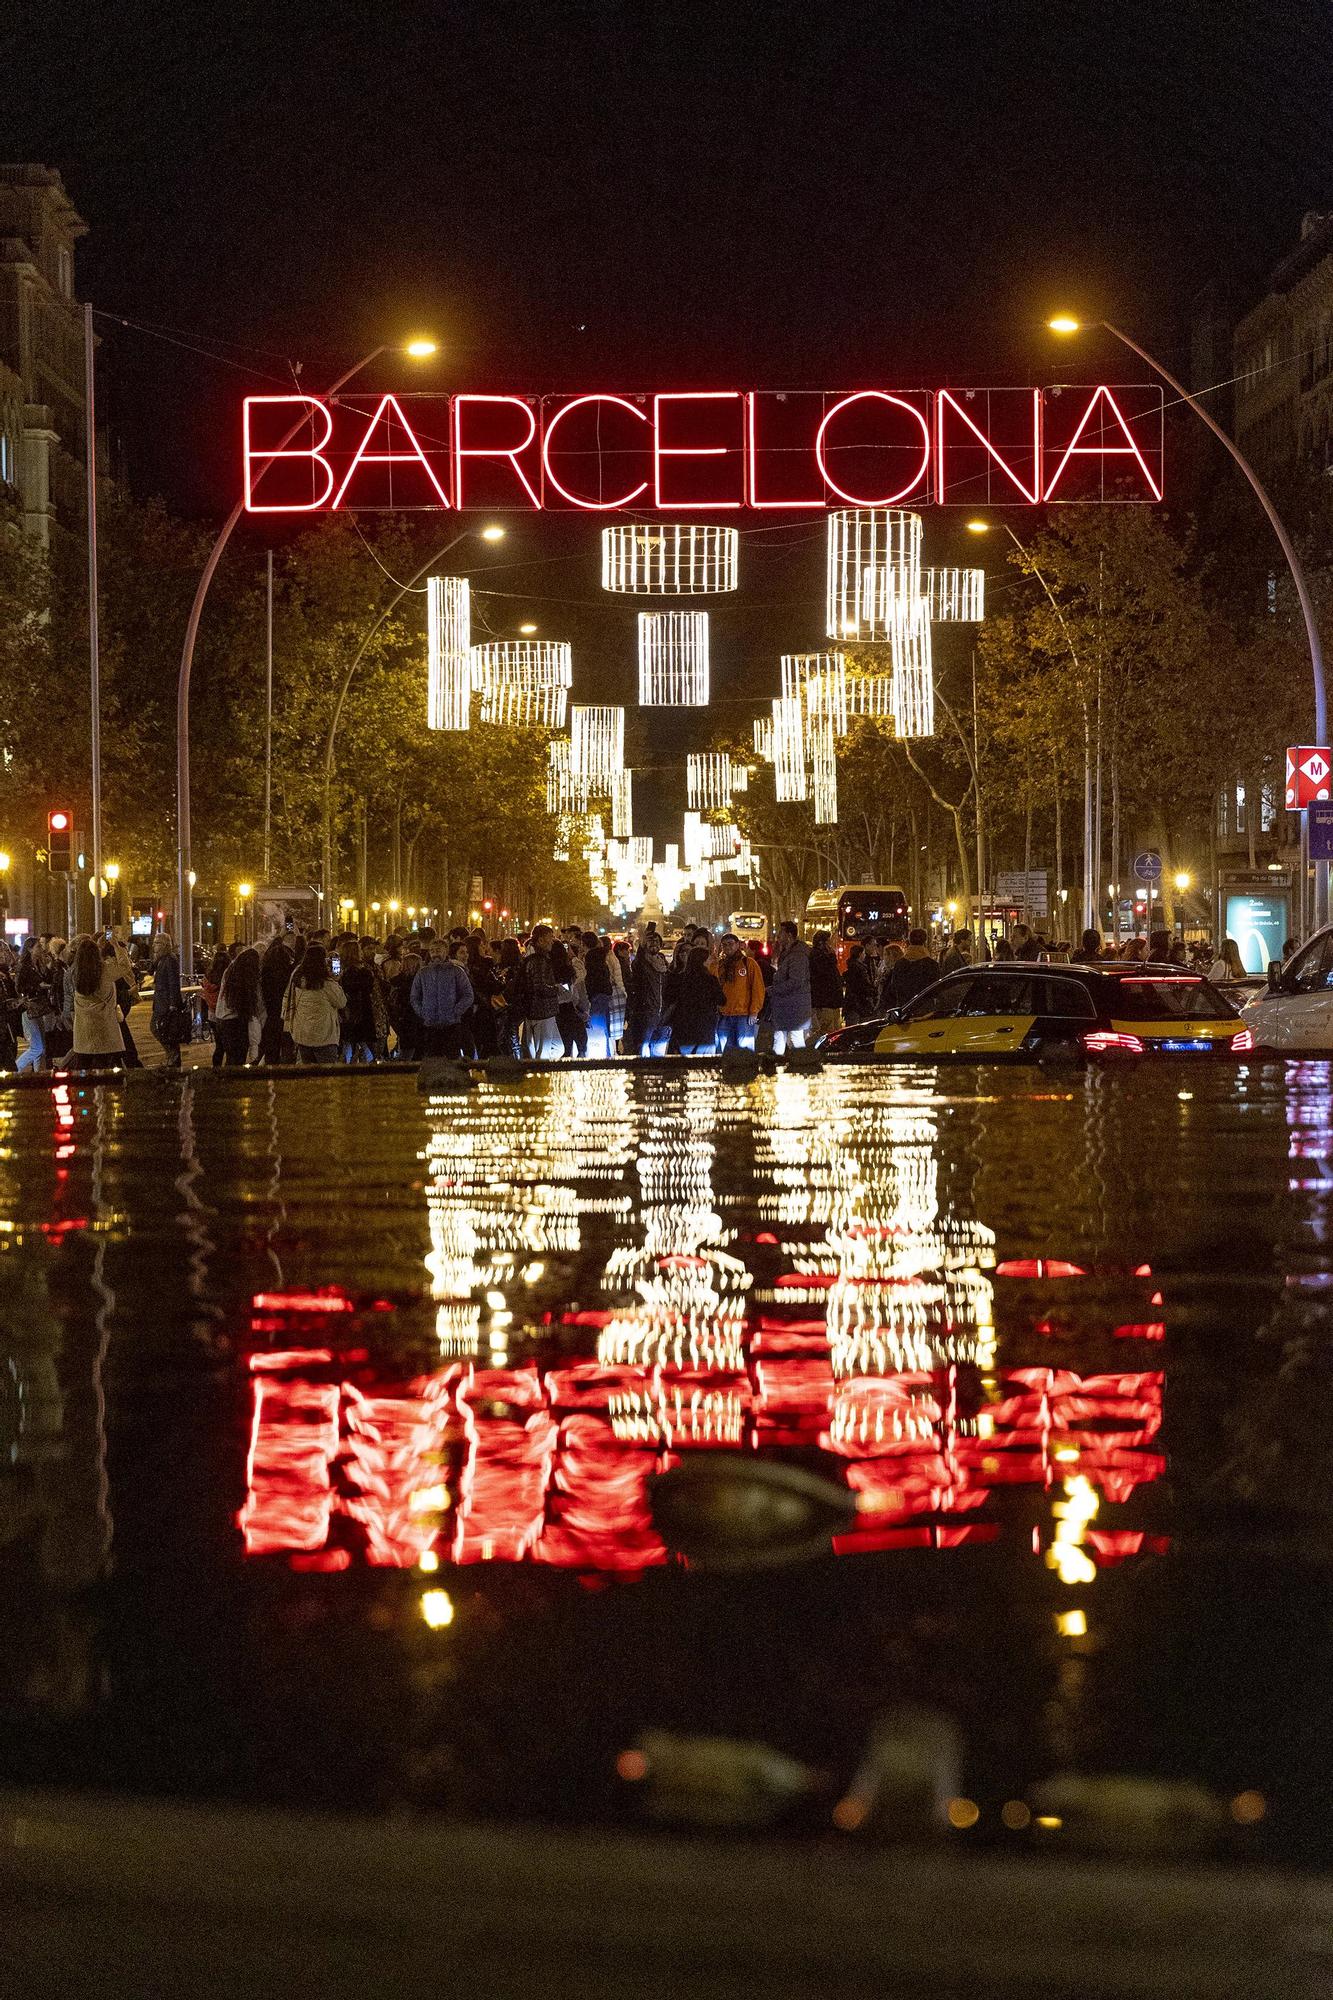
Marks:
<point>870,695</point>
<point>823,768</point>
<point>523,682</point>
<point>861,539</point>
<point>673,659</point>
<point>448,650</point>
<point>596,745</point>
<point>712,780</point>
<point>957,596</point>
<point>763,738</point>
<point>913,673</point>
<point>566,790</point>
<point>789,775</point>
<point>622,805</point>
<point>822,680</point>
<point>954,597</point>
<point>669,559</point>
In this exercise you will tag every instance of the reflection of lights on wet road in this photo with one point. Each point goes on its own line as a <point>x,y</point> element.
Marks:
<point>852,1314</point>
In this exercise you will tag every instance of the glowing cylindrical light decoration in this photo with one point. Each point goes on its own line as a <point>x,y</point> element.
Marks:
<point>673,659</point>
<point>861,539</point>
<point>669,559</point>
<point>566,790</point>
<point>870,695</point>
<point>596,745</point>
<point>525,663</point>
<point>708,778</point>
<point>622,805</point>
<point>524,708</point>
<point>763,738</point>
<point>821,679</point>
<point>789,775</point>
<point>823,770</point>
<point>914,676</point>
<point>448,648</point>
<point>957,596</point>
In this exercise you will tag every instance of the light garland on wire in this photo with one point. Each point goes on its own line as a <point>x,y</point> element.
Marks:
<point>669,559</point>
<point>448,653</point>
<point>596,745</point>
<point>673,659</point>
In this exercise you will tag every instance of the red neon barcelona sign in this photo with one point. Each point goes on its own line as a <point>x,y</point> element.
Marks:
<point>700,451</point>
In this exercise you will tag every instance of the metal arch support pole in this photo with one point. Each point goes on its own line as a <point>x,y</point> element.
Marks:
<point>184,891</point>
<point>1293,564</point>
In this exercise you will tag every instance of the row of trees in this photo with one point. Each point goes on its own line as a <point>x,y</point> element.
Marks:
<point>433,809</point>
<point>1109,639</point>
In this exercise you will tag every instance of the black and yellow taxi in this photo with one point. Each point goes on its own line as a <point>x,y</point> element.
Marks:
<point>1023,1011</point>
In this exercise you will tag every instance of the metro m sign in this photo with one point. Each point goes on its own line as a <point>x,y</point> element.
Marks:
<point>704,451</point>
<point>1309,775</point>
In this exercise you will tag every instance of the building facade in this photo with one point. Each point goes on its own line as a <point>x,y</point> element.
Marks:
<point>1284,363</point>
<point>41,351</point>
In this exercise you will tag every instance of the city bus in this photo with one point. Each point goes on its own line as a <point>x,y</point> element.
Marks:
<point>866,906</point>
<point>750,926</point>
<point>821,913</point>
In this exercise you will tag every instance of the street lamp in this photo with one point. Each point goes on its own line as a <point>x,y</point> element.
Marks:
<point>526,631</point>
<point>1181,880</point>
<point>983,527</point>
<point>419,349</point>
<point>492,533</point>
<point>1065,323</point>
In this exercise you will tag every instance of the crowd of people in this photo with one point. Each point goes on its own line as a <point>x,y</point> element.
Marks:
<point>330,998</point>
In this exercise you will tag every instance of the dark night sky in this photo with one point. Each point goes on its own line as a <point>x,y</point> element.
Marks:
<point>658,195</point>
<point>645,195</point>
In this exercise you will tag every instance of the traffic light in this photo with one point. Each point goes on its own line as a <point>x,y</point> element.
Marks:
<point>59,840</point>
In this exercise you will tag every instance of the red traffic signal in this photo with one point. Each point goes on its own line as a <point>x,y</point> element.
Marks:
<point>59,839</point>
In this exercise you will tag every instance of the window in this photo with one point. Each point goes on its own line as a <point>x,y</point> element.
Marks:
<point>942,1001</point>
<point>1222,814</point>
<point>6,462</point>
<point>1240,809</point>
<point>1267,808</point>
<point>1064,999</point>
<point>1167,999</point>
<point>1311,969</point>
<point>1002,993</point>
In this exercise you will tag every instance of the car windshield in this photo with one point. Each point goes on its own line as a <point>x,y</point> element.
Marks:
<point>1168,999</point>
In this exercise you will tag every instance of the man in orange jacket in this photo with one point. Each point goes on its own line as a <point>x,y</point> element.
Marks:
<point>742,995</point>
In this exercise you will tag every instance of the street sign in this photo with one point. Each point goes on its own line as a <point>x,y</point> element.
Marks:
<point>1309,776</point>
<point>1319,821</point>
<point>1148,867</point>
<point>1027,891</point>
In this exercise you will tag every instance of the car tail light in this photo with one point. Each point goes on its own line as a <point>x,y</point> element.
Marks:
<point>1242,1043</point>
<point>1105,1041</point>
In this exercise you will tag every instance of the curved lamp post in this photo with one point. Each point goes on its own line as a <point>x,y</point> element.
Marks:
<point>419,350</point>
<point>490,534</point>
<point>1065,323</point>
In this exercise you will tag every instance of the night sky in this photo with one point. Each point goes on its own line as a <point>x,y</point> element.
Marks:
<point>642,196</point>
